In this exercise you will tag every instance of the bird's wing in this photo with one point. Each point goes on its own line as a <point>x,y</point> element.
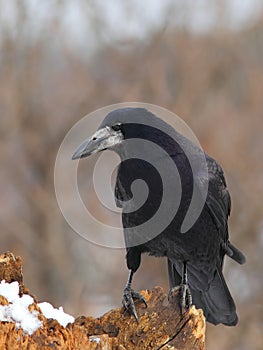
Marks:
<point>218,198</point>
<point>218,204</point>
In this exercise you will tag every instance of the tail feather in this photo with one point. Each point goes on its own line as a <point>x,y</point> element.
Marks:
<point>216,302</point>
<point>236,254</point>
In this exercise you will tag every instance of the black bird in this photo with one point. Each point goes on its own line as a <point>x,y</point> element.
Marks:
<point>182,213</point>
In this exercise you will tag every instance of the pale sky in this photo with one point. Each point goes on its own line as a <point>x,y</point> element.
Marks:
<point>94,21</point>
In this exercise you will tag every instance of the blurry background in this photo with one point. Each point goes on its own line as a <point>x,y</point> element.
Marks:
<point>60,60</point>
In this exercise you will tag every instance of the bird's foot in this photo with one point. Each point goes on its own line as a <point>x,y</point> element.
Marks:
<point>129,295</point>
<point>185,296</point>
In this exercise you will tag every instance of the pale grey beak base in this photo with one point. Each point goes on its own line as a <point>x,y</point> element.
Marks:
<point>102,139</point>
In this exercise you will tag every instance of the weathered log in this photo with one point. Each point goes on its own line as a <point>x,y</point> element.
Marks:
<point>160,327</point>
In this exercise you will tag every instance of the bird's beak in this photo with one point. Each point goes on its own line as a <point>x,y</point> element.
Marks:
<point>102,139</point>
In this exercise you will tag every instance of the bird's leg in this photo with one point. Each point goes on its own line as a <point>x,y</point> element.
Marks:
<point>128,298</point>
<point>185,292</point>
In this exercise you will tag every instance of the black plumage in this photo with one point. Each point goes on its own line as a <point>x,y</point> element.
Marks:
<point>156,154</point>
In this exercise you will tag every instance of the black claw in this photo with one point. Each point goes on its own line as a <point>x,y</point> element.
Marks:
<point>129,295</point>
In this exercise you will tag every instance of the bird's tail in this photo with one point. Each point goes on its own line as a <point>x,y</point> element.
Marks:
<point>216,302</point>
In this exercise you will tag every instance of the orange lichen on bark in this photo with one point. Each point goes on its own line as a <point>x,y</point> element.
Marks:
<point>160,327</point>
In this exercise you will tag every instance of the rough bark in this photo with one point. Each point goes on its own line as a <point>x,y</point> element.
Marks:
<point>160,327</point>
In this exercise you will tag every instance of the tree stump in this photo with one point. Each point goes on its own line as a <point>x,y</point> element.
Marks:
<point>160,326</point>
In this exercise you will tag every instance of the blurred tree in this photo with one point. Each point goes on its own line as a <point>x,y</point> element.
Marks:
<point>61,60</point>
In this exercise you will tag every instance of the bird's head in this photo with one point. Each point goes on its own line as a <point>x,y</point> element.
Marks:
<point>109,135</point>
<point>118,125</point>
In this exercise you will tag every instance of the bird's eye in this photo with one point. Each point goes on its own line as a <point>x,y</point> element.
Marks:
<point>116,127</point>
